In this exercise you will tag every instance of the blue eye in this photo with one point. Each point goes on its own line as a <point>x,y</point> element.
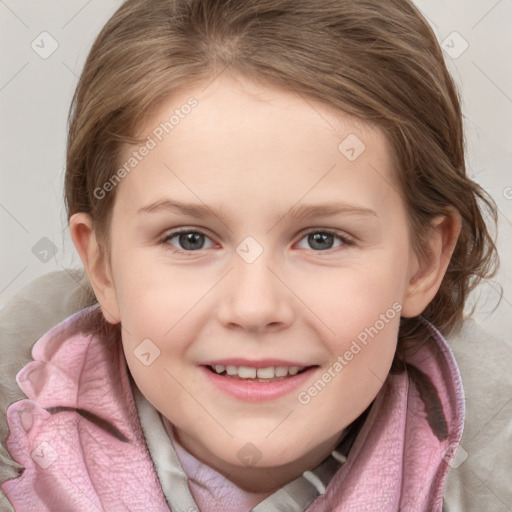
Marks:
<point>322,240</point>
<point>188,240</point>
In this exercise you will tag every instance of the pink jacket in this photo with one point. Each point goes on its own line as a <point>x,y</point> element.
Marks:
<point>79,438</point>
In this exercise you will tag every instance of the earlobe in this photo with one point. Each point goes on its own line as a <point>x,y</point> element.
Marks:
<point>427,276</point>
<point>96,265</point>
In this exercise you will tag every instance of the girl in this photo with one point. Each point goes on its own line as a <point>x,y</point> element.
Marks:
<point>270,202</point>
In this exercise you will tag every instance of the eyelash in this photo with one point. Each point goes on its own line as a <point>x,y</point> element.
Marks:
<point>345,239</point>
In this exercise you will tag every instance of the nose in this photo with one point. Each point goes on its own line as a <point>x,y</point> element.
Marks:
<point>255,297</point>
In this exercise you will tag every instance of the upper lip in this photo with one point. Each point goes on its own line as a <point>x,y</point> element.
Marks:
<point>260,363</point>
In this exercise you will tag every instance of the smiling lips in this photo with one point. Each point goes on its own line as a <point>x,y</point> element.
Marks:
<point>251,381</point>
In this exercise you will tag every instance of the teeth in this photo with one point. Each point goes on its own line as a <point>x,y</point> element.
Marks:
<point>281,371</point>
<point>231,370</point>
<point>247,372</point>
<point>265,373</point>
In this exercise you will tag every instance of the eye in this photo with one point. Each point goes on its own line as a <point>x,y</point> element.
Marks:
<point>322,240</point>
<point>187,240</point>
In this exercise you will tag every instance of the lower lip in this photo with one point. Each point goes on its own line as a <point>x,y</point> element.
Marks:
<point>252,391</point>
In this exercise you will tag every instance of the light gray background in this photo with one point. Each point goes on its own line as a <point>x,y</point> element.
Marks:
<point>35,94</point>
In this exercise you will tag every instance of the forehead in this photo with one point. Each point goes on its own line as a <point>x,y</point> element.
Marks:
<point>233,136</point>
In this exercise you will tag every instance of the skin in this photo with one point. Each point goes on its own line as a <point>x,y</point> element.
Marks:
<point>255,152</point>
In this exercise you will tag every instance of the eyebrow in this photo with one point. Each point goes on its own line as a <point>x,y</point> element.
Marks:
<point>193,210</point>
<point>297,212</point>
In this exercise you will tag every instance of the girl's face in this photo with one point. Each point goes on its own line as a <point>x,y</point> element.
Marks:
<point>294,252</point>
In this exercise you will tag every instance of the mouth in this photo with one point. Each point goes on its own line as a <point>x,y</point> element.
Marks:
<point>253,374</point>
<point>251,381</point>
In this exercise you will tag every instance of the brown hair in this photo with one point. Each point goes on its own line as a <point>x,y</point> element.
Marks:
<point>377,60</point>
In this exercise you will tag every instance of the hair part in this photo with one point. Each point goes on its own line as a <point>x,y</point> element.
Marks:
<point>376,60</point>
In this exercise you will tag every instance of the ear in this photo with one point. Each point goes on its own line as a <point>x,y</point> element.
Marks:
<point>96,264</point>
<point>427,273</point>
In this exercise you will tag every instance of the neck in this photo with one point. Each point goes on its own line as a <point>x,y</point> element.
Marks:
<point>259,480</point>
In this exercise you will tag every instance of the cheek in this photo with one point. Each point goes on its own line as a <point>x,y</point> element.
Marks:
<point>154,296</point>
<point>340,393</point>
<point>350,299</point>
<point>159,308</point>
<point>354,375</point>
<point>361,309</point>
